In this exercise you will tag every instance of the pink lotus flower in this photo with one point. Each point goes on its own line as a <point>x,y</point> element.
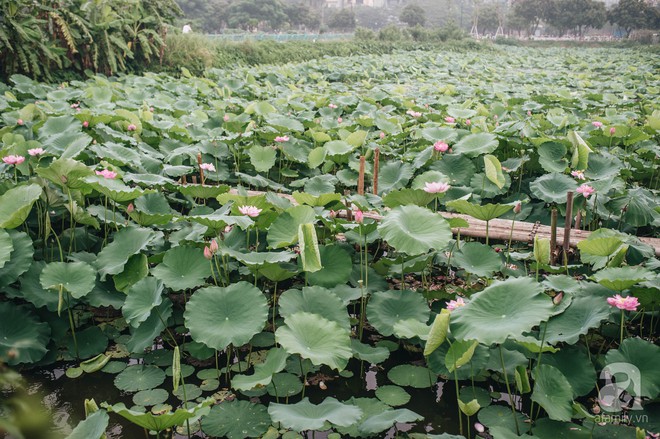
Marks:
<point>214,246</point>
<point>130,208</point>
<point>517,208</point>
<point>35,151</point>
<point>359,216</point>
<point>414,113</point>
<point>468,122</point>
<point>495,116</point>
<point>340,120</point>
<point>208,254</point>
<point>436,187</point>
<point>13,159</point>
<point>131,127</point>
<point>579,175</point>
<point>612,131</point>
<point>440,146</point>
<point>597,124</point>
<point>585,190</point>
<point>281,139</point>
<point>382,135</point>
<point>455,304</point>
<point>529,112</point>
<point>629,303</point>
<point>333,214</point>
<point>19,122</point>
<point>450,119</point>
<point>85,124</point>
<point>228,228</point>
<point>333,106</point>
<point>207,167</point>
<point>106,173</point>
<point>225,118</point>
<point>251,211</point>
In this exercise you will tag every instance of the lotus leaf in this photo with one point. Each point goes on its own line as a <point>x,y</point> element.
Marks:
<point>91,428</point>
<point>163,421</point>
<point>139,377</point>
<point>393,395</point>
<point>583,313</point>
<point>384,420</point>
<point>478,259</point>
<point>553,187</point>
<point>553,392</point>
<point>23,334</point>
<point>183,268</point>
<point>314,300</point>
<point>307,416</point>
<point>414,230</point>
<point>388,307</point>
<point>126,243</point>
<point>78,278</point>
<point>336,267</point>
<point>637,359</point>
<point>237,419</point>
<point>413,376</point>
<point>16,204</point>
<point>141,299</point>
<point>622,278</point>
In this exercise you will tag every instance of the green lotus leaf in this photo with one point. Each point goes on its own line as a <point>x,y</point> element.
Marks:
<point>406,196</point>
<point>580,158</point>
<point>413,376</point>
<point>583,313</point>
<point>438,332</point>
<point>139,377</point>
<point>114,189</point>
<point>410,328</point>
<point>284,230</point>
<point>160,422</point>
<point>314,337</point>
<point>20,258</point>
<point>605,246</point>
<point>392,395</point>
<point>458,168</point>
<point>459,354</point>
<point>500,416</point>
<point>308,243</point>
<point>477,258</point>
<point>91,428</point>
<point>143,336</point>
<point>394,175</point>
<point>474,145</point>
<point>6,247</point>
<point>95,364</point>
<point>481,395</point>
<point>541,250</point>
<point>336,267</point>
<point>65,173</point>
<point>484,212</point>
<point>314,300</point>
<point>78,278</point>
<point>307,416</point>
<point>622,278</point>
<point>127,242</point>
<point>493,170</point>
<point>263,372</point>
<point>553,392</point>
<point>338,148</point>
<point>576,366</point>
<point>372,354</point>
<point>638,204</point>
<point>91,342</point>
<point>469,408</point>
<point>203,191</point>
<point>553,187</point>
<point>141,298</point>
<point>150,397</point>
<point>16,204</point>
<point>414,230</point>
<point>22,334</point>
<point>187,392</point>
<point>219,316</point>
<point>504,309</point>
<point>388,307</point>
<point>284,385</point>
<point>262,157</point>
<point>237,419</point>
<point>638,359</point>
<point>219,220</point>
<point>32,291</point>
<point>552,157</point>
<point>546,428</point>
<point>152,209</point>
<point>183,268</point>
<point>323,200</point>
<point>433,134</point>
<point>385,420</point>
<point>258,259</point>
<point>136,269</point>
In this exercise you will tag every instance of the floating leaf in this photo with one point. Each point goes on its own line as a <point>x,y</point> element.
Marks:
<point>237,419</point>
<point>139,377</point>
<point>163,421</point>
<point>307,416</point>
<point>413,376</point>
<point>393,395</point>
<point>388,307</point>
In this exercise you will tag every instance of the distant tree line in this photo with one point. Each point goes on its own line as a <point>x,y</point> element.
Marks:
<point>40,37</point>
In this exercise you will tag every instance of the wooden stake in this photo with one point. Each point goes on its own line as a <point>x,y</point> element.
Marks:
<point>199,164</point>
<point>183,180</point>
<point>567,225</point>
<point>194,179</point>
<point>553,236</point>
<point>361,177</point>
<point>376,169</point>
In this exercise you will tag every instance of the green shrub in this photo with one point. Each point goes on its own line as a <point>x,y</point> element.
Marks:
<point>193,51</point>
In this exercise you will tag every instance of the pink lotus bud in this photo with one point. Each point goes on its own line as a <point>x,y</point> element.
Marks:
<point>517,208</point>
<point>333,106</point>
<point>359,216</point>
<point>468,122</point>
<point>151,109</point>
<point>130,208</point>
<point>340,120</point>
<point>85,124</point>
<point>450,119</point>
<point>333,214</point>
<point>106,173</point>
<point>213,245</point>
<point>281,139</point>
<point>225,118</point>
<point>382,135</point>
<point>529,112</point>
<point>208,254</point>
<point>19,122</point>
<point>597,124</point>
<point>612,131</point>
<point>227,229</point>
<point>131,127</point>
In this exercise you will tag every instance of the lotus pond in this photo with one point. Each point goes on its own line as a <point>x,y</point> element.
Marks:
<point>260,253</point>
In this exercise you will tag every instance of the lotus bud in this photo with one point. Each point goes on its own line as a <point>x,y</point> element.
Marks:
<point>225,118</point>
<point>479,428</point>
<point>517,208</point>
<point>340,120</point>
<point>333,214</point>
<point>214,246</point>
<point>529,112</point>
<point>468,122</point>
<point>131,127</point>
<point>322,386</point>
<point>359,216</point>
<point>130,208</point>
<point>557,299</point>
<point>85,124</point>
<point>612,131</point>
<point>382,135</point>
<point>19,122</point>
<point>208,254</point>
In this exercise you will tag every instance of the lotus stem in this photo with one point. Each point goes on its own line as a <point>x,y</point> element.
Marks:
<point>458,396</point>
<point>304,374</point>
<point>217,366</point>
<point>487,224</point>
<point>508,390</point>
<point>274,305</point>
<point>71,322</point>
<point>508,247</point>
<point>228,371</point>
<point>623,318</point>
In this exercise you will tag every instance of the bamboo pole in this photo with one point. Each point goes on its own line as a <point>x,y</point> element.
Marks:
<point>199,164</point>
<point>376,169</point>
<point>360,187</point>
<point>567,225</point>
<point>553,236</point>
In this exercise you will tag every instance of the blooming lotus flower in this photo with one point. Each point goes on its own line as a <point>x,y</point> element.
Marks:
<point>359,216</point>
<point>207,167</point>
<point>35,151</point>
<point>597,124</point>
<point>333,106</point>
<point>612,131</point>
<point>131,127</point>
<point>414,113</point>
<point>629,303</point>
<point>450,119</point>
<point>585,190</point>
<point>578,175</point>
<point>282,139</point>
<point>106,173</point>
<point>454,304</point>
<point>440,146</point>
<point>251,211</point>
<point>208,254</point>
<point>436,187</point>
<point>225,118</point>
<point>13,159</point>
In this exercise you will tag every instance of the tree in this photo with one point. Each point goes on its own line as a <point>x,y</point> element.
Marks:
<point>529,13</point>
<point>301,16</point>
<point>489,18</point>
<point>413,15</point>
<point>343,20</point>
<point>632,14</point>
<point>575,15</point>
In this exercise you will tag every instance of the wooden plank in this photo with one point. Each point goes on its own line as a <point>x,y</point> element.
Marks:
<point>499,229</point>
